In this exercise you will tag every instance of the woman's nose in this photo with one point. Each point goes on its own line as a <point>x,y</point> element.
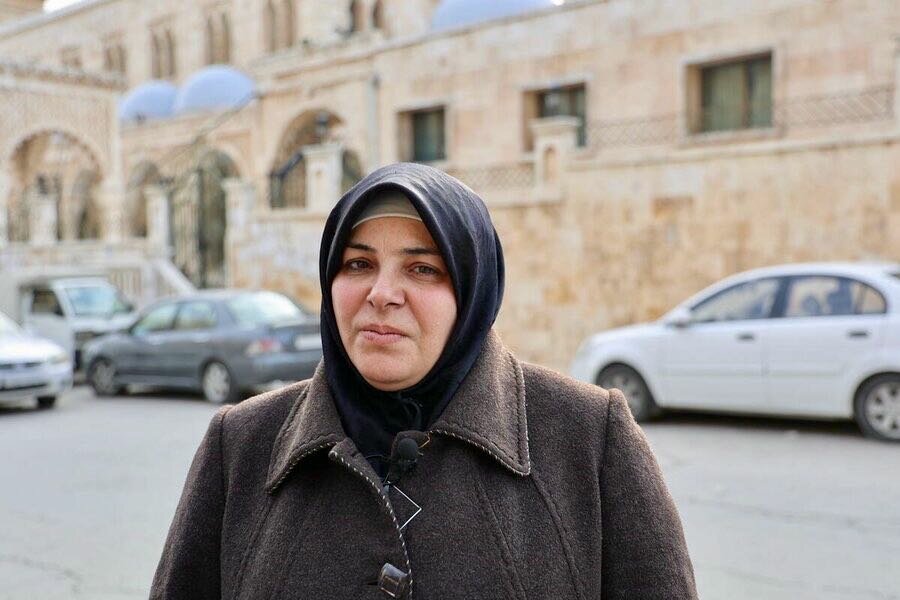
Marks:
<point>386,290</point>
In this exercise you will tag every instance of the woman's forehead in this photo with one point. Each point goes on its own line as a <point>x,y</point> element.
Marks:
<point>392,233</point>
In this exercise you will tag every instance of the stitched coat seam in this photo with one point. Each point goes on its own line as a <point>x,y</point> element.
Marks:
<point>514,585</point>
<point>390,509</point>
<point>561,531</point>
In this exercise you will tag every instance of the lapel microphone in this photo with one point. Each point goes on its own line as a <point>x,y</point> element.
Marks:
<point>403,460</point>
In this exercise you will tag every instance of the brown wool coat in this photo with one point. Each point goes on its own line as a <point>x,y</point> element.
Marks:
<point>531,485</point>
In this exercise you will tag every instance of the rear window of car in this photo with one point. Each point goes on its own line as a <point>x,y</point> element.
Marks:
<point>264,308</point>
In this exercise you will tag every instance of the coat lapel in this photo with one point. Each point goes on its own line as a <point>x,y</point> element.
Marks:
<point>488,412</point>
<point>313,424</point>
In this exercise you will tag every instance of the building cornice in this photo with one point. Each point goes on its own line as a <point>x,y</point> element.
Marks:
<point>37,20</point>
<point>61,75</point>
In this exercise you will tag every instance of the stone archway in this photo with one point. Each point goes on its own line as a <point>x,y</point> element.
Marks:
<point>56,168</point>
<point>287,179</point>
<point>198,219</point>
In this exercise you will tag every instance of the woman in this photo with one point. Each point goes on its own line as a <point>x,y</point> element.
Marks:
<point>422,459</point>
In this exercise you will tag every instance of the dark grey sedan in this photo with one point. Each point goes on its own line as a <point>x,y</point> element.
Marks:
<point>224,343</point>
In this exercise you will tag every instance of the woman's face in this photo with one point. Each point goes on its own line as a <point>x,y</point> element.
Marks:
<point>393,301</point>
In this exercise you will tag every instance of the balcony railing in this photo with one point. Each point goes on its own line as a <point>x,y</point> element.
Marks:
<point>872,104</point>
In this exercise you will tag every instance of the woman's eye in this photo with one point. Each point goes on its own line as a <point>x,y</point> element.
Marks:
<point>356,265</point>
<point>426,270</point>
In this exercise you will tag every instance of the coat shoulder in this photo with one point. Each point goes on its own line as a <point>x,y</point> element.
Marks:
<point>253,425</point>
<point>549,389</point>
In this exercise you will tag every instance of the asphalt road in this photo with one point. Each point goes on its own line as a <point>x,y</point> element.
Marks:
<point>774,510</point>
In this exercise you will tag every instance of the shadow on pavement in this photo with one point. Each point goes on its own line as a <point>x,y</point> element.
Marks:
<point>756,423</point>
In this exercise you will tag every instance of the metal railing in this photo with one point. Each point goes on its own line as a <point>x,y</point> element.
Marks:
<point>866,105</point>
<point>508,176</point>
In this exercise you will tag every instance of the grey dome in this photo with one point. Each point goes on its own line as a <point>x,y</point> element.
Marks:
<point>452,14</point>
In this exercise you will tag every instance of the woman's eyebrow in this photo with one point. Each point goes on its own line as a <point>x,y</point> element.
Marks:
<point>363,247</point>
<point>421,250</point>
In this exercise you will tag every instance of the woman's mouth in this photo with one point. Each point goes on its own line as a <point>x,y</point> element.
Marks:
<point>381,336</point>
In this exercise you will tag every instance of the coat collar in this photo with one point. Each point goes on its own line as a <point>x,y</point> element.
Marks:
<point>488,411</point>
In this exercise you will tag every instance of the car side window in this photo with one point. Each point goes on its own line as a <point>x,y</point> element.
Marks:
<point>45,302</point>
<point>196,315</point>
<point>158,319</point>
<point>828,296</point>
<point>748,300</point>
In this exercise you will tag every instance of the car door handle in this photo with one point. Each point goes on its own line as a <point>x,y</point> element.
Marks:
<point>858,333</point>
<point>746,337</point>
<point>200,339</point>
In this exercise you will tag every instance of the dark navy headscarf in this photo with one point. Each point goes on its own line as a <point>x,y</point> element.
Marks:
<point>461,227</point>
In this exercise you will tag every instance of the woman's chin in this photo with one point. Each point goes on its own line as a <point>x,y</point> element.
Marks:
<point>385,378</point>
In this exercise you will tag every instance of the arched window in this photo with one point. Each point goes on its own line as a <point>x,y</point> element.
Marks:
<point>223,54</point>
<point>155,55</point>
<point>171,69</point>
<point>287,35</point>
<point>356,16</point>
<point>210,41</point>
<point>378,15</point>
<point>269,37</point>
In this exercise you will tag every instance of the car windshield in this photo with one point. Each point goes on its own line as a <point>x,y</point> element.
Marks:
<point>264,308</point>
<point>95,301</point>
<point>8,327</point>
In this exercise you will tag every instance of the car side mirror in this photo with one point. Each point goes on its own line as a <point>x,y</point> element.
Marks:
<point>680,318</point>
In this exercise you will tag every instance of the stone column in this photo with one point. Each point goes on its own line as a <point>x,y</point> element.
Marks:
<point>111,199</point>
<point>324,169</point>
<point>5,189</point>
<point>158,218</point>
<point>897,79</point>
<point>240,198</point>
<point>555,138</point>
<point>42,218</point>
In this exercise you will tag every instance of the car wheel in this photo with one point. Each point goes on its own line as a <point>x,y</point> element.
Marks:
<point>102,377</point>
<point>877,408</point>
<point>640,401</point>
<point>45,402</point>
<point>218,385</point>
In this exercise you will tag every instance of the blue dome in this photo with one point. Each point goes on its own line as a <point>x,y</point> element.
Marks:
<point>452,14</point>
<point>150,100</point>
<point>214,88</point>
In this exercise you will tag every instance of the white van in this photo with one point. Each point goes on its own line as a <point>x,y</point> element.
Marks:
<point>72,310</point>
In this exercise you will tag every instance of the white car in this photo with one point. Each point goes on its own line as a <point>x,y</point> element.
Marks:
<point>817,340</point>
<point>31,367</point>
<point>72,310</point>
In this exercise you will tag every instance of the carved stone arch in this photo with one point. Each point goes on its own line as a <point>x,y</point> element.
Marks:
<point>287,175</point>
<point>59,166</point>
<point>198,214</point>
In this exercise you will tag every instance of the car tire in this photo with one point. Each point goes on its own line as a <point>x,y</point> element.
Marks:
<point>102,377</point>
<point>876,408</point>
<point>640,400</point>
<point>218,384</point>
<point>46,402</point>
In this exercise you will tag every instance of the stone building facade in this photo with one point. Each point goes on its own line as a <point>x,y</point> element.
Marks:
<point>630,152</point>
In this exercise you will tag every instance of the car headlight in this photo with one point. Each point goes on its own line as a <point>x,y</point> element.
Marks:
<point>59,358</point>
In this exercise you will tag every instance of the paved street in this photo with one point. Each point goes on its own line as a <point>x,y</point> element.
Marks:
<point>773,510</point>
